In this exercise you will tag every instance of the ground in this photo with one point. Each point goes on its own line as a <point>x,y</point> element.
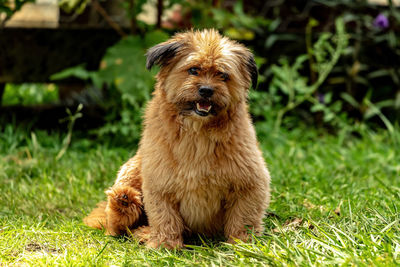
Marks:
<point>335,200</point>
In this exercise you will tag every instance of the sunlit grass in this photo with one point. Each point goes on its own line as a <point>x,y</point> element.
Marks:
<point>29,94</point>
<point>333,202</point>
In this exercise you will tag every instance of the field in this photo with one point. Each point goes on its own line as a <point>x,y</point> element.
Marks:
<point>335,201</point>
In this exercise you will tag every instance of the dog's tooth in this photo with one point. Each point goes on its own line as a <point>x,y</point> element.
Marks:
<point>209,108</point>
<point>202,109</point>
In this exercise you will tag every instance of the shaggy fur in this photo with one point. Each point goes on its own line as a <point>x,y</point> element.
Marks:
<point>198,168</point>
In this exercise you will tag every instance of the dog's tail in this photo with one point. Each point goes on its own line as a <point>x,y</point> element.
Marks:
<point>97,218</point>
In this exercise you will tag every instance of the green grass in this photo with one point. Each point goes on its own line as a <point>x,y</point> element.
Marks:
<point>334,202</point>
<point>29,94</point>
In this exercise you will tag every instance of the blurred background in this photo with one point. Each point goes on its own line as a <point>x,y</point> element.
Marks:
<point>79,64</point>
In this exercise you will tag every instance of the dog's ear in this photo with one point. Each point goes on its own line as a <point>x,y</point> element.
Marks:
<point>249,64</point>
<point>253,71</point>
<point>161,54</point>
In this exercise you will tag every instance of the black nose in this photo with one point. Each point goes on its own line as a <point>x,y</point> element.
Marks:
<point>206,91</point>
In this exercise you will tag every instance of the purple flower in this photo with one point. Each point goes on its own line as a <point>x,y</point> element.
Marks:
<point>381,22</point>
<point>321,98</point>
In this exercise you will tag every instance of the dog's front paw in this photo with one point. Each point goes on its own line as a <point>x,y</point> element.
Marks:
<point>111,231</point>
<point>142,234</point>
<point>239,236</point>
<point>165,243</point>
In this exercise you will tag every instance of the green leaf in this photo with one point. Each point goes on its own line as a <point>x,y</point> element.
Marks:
<point>317,107</point>
<point>349,99</point>
<point>77,72</point>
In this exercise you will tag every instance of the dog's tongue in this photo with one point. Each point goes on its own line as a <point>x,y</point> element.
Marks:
<point>203,106</point>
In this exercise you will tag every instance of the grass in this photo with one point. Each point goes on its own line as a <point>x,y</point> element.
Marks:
<point>334,202</point>
<point>29,94</point>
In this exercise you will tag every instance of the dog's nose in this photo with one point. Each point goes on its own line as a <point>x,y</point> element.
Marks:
<point>206,91</point>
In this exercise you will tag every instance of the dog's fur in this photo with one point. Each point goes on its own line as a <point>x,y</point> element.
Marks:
<point>196,171</point>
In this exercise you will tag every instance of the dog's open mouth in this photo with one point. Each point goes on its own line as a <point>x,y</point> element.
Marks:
<point>202,107</point>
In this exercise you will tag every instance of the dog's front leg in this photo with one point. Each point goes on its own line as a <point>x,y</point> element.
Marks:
<point>166,224</point>
<point>244,212</point>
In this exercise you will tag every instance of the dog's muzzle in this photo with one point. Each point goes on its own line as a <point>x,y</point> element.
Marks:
<point>203,107</point>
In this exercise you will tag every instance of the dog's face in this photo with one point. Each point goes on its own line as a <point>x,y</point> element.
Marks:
<point>203,73</point>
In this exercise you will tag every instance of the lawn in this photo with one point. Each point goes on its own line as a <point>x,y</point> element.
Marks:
<point>335,201</point>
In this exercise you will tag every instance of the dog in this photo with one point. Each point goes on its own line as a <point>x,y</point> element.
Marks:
<point>198,168</point>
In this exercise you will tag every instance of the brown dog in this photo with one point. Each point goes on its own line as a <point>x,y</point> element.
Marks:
<point>198,168</point>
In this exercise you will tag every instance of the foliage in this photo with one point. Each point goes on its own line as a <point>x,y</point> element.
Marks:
<point>71,121</point>
<point>123,68</point>
<point>289,88</point>
<point>362,87</point>
<point>287,79</point>
<point>234,23</point>
<point>29,94</point>
<point>76,6</point>
<point>333,203</point>
<point>373,80</point>
<point>128,82</point>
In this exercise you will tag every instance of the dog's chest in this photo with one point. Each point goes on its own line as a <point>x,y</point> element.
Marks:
<point>202,184</point>
<point>201,168</point>
<point>202,174</point>
<point>199,156</point>
<point>202,209</point>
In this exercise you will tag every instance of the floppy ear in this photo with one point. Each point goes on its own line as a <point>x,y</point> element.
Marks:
<point>252,69</point>
<point>161,54</point>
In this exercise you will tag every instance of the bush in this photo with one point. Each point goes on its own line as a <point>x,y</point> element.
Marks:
<point>127,82</point>
<point>363,87</point>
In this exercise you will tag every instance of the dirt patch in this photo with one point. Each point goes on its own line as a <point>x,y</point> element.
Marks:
<point>35,247</point>
<point>293,225</point>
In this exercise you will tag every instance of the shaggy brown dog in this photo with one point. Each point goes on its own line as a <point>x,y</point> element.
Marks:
<point>198,168</point>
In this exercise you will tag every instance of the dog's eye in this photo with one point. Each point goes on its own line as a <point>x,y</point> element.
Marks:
<point>194,71</point>
<point>224,76</point>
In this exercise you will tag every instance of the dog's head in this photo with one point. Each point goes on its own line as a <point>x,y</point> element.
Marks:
<point>203,73</point>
